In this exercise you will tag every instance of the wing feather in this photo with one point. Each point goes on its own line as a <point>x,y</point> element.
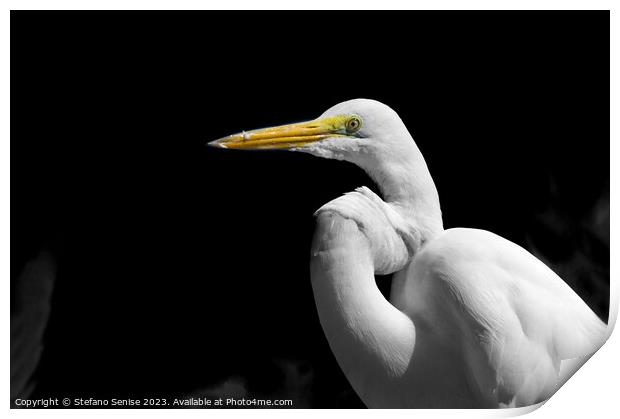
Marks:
<point>517,321</point>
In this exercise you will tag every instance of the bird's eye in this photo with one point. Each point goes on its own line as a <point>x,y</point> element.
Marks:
<point>354,124</point>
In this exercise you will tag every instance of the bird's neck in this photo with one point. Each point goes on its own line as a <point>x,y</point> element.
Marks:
<point>406,184</point>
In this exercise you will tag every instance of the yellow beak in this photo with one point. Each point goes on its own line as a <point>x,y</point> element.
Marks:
<point>286,136</point>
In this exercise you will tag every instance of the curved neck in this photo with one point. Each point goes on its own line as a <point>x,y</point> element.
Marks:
<point>372,340</point>
<point>406,184</point>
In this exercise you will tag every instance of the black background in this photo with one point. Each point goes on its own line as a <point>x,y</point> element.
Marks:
<point>182,266</point>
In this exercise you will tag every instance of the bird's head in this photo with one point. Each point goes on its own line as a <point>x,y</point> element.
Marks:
<point>370,135</point>
<point>362,131</point>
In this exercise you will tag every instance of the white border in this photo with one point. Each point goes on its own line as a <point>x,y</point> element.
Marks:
<point>576,399</point>
<point>310,5</point>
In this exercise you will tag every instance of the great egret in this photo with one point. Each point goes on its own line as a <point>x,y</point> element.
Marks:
<point>474,320</point>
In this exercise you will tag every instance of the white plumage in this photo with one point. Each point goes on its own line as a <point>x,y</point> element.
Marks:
<point>473,320</point>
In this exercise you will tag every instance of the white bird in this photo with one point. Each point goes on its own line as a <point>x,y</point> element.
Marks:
<point>473,320</point>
